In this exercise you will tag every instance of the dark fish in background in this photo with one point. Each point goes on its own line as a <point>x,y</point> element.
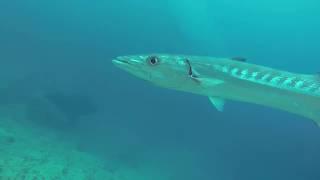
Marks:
<point>74,106</point>
<point>45,103</point>
<point>60,110</point>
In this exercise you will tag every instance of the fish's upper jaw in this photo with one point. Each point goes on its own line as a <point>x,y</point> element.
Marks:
<point>133,60</point>
<point>124,64</point>
<point>121,60</point>
<point>120,63</point>
<point>133,65</point>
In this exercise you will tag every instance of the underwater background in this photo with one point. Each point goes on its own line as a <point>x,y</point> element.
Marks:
<point>68,113</point>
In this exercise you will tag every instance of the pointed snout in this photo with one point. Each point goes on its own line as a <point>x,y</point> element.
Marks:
<point>132,64</point>
<point>120,60</point>
<point>127,60</point>
<point>128,63</point>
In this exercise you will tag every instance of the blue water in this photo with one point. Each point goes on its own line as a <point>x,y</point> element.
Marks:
<point>67,47</point>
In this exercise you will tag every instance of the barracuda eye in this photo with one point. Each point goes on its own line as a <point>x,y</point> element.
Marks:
<point>153,60</point>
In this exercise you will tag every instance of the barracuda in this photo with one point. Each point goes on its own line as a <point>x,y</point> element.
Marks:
<point>234,79</point>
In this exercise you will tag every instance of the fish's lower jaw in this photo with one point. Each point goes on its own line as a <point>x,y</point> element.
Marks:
<point>124,66</point>
<point>119,62</point>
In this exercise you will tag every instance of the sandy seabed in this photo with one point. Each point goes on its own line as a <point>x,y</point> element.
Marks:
<point>28,152</point>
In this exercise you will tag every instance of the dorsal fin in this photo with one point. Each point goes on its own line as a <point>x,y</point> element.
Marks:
<point>241,59</point>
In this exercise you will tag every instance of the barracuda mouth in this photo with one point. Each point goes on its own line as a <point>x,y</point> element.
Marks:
<point>132,66</point>
<point>120,61</point>
<point>125,64</point>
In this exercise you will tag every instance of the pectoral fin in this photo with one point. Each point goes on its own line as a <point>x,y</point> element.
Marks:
<point>206,82</point>
<point>194,75</point>
<point>217,102</point>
